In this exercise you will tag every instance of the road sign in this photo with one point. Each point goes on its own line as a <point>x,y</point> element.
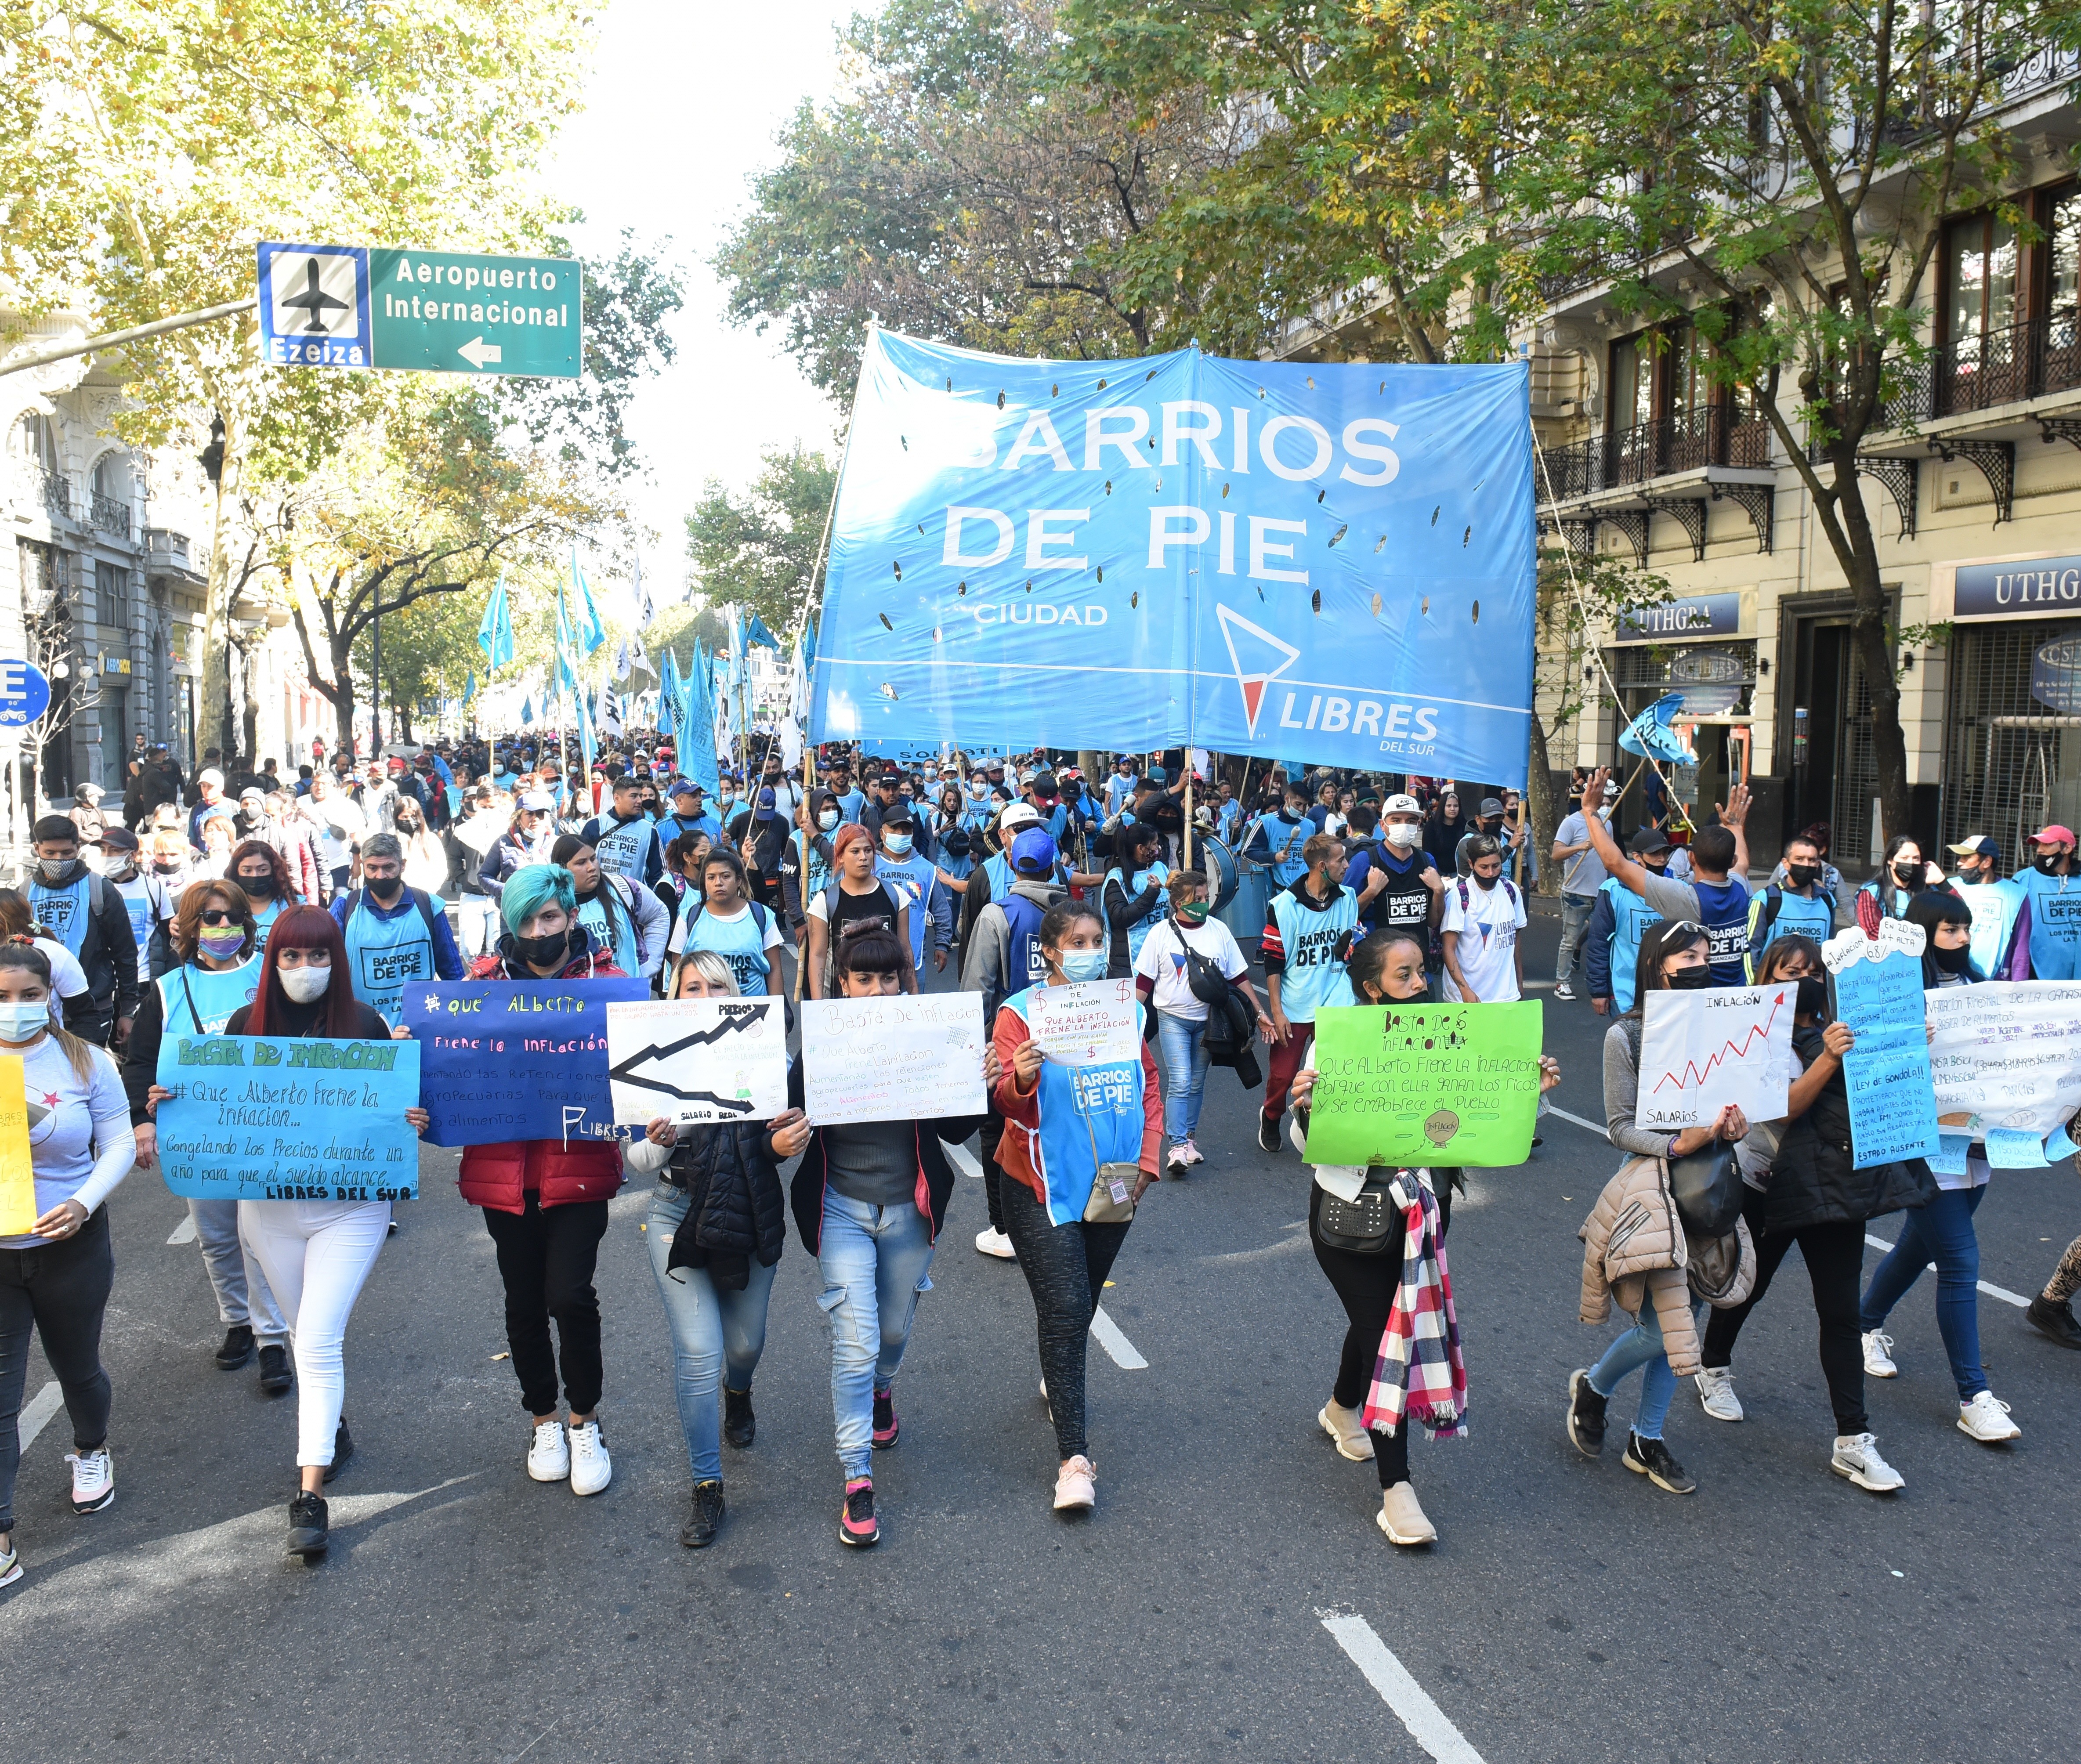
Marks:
<point>443,311</point>
<point>25,695</point>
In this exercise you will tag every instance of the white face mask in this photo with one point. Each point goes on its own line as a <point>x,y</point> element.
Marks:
<point>1403,837</point>
<point>304,985</point>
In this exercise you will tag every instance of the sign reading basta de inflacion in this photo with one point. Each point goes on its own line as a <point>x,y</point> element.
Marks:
<point>1256,557</point>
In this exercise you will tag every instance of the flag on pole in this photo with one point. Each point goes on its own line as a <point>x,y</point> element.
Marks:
<point>469,688</point>
<point>528,712</point>
<point>697,748</point>
<point>495,631</point>
<point>585,616</point>
<point>622,662</point>
<point>670,718</point>
<point>608,715</point>
<point>638,662</point>
<point>644,610</point>
<point>756,633</point>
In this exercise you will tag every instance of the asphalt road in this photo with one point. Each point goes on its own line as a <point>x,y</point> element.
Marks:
<point>1231,1597</point>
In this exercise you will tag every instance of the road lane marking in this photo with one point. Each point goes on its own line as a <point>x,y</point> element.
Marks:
<point>37,1412</point>
<point>1115,1343</point>
<point>966,1159</point>
<point>1987,1286</point>
<point>1428,1723</point>
<point>184,1232</point>
<point>1596,1127</point>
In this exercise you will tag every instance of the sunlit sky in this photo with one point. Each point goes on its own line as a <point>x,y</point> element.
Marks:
<point>681,107</point>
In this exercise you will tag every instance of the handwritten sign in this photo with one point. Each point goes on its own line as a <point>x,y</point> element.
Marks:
<point>1093,1022</point>
<point>2007,1058</point>
<point>902,1057</point>
<point>1700,1051</point>
<point>511,1060</point>
<point>695,1059</point>
<point>268,1118</point>
<point>1408,1084</point>
<point>1892,1091</point>
<point>18,1181</point>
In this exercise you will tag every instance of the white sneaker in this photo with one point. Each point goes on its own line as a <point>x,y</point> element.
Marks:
<point>1878,1356</point>
<point>1716,1392</point>
<point>1985,1418</point>
<point>1856,1456</point>
<point>94,1481</point>
<point>1563,990</point>
<point>1193,1154</point>
<point>994,1242</point>
<point>591,1469</point>
<point>549,1457</point>
<point>10,1566</point>
<point>1076,1486</point>
<point>1175,1162</point>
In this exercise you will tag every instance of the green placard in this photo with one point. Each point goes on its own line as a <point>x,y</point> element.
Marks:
<point>1449,1085</point>
<point>465,312</point>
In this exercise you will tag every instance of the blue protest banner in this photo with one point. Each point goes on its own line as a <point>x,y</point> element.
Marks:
<point>1184,551</point>
<point>284,1118</point>
<point>1892,1089</point>
<point>515,1059</point>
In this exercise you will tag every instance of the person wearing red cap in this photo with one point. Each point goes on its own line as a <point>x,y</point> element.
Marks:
<point>2049,924</point>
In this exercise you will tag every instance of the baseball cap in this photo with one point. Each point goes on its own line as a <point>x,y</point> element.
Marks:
<point>118,839</point>
<point>764,810</point>
<point>1400,805</point>
<point>1491,805</point>
<point>209,775</point>
<point>2053,834</point>
<point>1033,852</point>
<point>896,815</point>
<point>537,802</point>
<point>1647,840</point>
<point>1157,775</point>
<point>1978,845</point>
<point>1017,815</point>
<point>684,787</point>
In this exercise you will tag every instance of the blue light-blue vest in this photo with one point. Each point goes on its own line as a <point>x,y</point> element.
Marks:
<point>1137,933</point>
<point>1089,1115</point>
<point>385,955</point>
<point>619,932</point>
<point>1631,917</point>
<point>1995,907</point>
<point>194,1000</point>
<point>1314,977</point>
<point>63,912</point>
<point>1284,844</point>
<point>1797,915</point>
<point>2055,923</point>
<point>740,942</point>
<point>911,880</point>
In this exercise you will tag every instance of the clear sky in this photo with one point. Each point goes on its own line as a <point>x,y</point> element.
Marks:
<point>681,107</point>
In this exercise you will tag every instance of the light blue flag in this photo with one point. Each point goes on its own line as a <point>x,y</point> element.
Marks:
<point>494,630</point>
<point>469,688</point>
<point>755,632</point>
<point>1245,555</point>
<point>668,697</point>
<point>528,712</point>
<point>697,748</point>
<point>590,631</point>
<point>1649,735</point>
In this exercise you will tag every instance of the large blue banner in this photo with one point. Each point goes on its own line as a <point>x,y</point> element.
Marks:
<point>1185,550</point>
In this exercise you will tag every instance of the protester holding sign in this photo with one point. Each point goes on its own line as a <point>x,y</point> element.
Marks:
<point>80,1146</point>
<point>869,1199</point>
<point>717,1224</point>
<point>217,952</point>
<point>1942,1231</point>
<point>1079,1148</point>
<point>1996,903</point>
<point>544,1203</point>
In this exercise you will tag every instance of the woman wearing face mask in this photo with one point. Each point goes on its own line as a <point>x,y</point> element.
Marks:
<point>69,982</point>
<point>1444,828</point>
<point>735,927</point>
<point>1942,1231</point>
<point>1902,877</point>
<point>1133,898</point>
<point>216,949</point>
<point>679,887</point>
<point>1164,976</point>
<point>622,916</point>
<point>544,1203</point>
<point>427,865</point>
<point>1799,1192</point>
<point>869,1199</point>
<point>717,1226</point>
<point>55,1280</point>
<point>855,896</point>
<point>261,874</point>
<point>1079,1148</point>
<point>219,836</point>
<point>1665,1335</point>
<point>1386,968</point>
<point>171,857</point>
<point>806,867</point>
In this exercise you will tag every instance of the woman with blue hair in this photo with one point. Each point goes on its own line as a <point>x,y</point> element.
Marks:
<point>545,1202</point>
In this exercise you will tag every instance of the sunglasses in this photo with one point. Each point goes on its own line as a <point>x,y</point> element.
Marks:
<point>1686,928</point>
<point>218,915</point>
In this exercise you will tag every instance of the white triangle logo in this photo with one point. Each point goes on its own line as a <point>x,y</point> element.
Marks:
<point>1261,669</point>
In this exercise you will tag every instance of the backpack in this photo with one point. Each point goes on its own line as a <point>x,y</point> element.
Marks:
<point>1509,889</point>
<point>1023,963</point>
<point>418,898</point>
<point>1773,900</point>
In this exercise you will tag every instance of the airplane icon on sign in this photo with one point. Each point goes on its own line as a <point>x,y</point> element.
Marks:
<point>313,301</point>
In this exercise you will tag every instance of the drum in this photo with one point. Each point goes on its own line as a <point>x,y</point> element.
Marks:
<point>1218,860</point>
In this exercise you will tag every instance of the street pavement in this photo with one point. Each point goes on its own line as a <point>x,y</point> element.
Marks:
<point>1231,1597</point>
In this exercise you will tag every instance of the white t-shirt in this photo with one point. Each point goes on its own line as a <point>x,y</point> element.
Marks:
<point>1163,961</point>
<point>68,978</point>
<point>1488,931</point>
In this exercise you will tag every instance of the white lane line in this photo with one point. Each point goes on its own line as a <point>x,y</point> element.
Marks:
<point>37,1412</point>
<point>1428,1723</point>
<point>966,1160</point>
<point>1987,1286</point>
<point>1115,1343</point>
<point>1596,1127</point>
<point>184,1232</point>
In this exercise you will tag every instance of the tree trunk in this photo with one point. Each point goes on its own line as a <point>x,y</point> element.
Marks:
<point>400,721</point>
<point>1869,627</point>
<point>1538,800</point>
<point>215,706</point>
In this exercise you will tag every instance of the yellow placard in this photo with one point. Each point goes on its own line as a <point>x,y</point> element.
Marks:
<point>18,1182</point>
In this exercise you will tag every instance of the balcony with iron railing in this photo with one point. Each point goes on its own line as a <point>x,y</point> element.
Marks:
<point>1685,441</point>
<point>109,513</point>
<point>35,487</point>
<point>1996,367</point>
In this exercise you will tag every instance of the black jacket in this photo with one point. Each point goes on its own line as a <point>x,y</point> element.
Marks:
<point>734,1211</point>
<point>1815,1182</point>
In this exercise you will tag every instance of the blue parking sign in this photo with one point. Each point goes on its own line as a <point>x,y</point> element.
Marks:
<point>25,695</point>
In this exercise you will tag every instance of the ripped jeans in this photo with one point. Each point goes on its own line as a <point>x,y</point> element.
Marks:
<point>874,1261</point>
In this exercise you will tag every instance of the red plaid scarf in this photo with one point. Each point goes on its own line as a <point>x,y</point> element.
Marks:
<point>1419,1372</point>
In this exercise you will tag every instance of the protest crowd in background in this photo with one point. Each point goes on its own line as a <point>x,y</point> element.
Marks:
<point>373,905</point>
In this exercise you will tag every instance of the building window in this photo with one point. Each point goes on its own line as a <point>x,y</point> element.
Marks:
<point>1981,259</point>
<point>107,603</point>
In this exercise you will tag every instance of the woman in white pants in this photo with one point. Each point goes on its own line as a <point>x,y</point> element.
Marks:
<point>316,1253</point>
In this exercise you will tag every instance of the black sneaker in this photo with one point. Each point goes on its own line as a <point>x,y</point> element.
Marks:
<point>1267,1131</point>
<point>887,1428</point>
<point>2055,1322</point>
<point>706,1519</point>
<point>342,1449</point>
<point>309,1531</point>
<point>1651,1458</point>
<point>276,1376</point>
<point>237,1347</point>
<point>1586,1414</point>
<point>739,1425</point>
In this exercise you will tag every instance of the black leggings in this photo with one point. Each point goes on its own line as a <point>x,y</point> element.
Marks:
<point>1834,1258</point>
<point>546,1258</point>
<point>993,1173</point>
<point>1066,1267</point>
<point>1366,1285</point>
<point>59,1291</point>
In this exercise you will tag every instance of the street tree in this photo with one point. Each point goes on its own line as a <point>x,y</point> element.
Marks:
<point>759,549</point>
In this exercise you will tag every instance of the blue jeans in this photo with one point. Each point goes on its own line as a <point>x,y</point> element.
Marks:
<point>477,925</point>
<point>1182,1044</point>
<point>1941,1232</point>
<point>874,1261</point>
<point>1641,1345</point>
<point>716,1335</point>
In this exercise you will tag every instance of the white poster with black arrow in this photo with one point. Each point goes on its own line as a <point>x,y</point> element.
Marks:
<point>696,1059</point>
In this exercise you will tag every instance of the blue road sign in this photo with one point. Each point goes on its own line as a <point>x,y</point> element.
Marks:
<point>314,306</point>
<point>25,695</point>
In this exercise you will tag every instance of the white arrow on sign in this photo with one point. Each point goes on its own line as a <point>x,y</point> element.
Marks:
<point>478,353</point>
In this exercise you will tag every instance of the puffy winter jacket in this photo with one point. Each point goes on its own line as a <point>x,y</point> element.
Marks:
<point>1814,1180</point>
<point>735,1210</point>
<point>1633,1246</point>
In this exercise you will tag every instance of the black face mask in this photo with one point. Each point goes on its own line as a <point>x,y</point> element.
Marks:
<point>1688,979</point>
<point>387,889</point>
<point>1952,961</point>
<point>1802,873</point>
<point>1907,875</point>
<point>543,951</point>
<point>2048,863</point>
<point>1812,998</point>
<point>260,888</point>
